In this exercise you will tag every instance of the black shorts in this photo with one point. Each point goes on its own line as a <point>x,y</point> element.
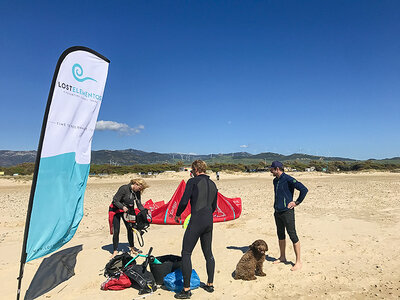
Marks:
<point>284,220</point>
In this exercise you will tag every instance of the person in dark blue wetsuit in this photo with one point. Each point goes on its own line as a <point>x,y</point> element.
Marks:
<point>284,205</point>
<point>202,193</point>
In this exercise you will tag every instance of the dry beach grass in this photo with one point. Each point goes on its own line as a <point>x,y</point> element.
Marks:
<point>349,227</point>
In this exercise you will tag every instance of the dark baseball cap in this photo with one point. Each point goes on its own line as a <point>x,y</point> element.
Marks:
<point>276,164</point>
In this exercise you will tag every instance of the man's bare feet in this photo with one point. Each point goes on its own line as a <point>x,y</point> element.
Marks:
<point>115,253</point>
<point>279,260</point>
<point>297,266</point>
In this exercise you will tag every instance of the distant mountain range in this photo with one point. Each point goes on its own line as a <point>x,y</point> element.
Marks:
<point>12,158</point>
<point>132,156</point>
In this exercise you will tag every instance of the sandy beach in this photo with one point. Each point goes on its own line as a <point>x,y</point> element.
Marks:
<point>348,225</point>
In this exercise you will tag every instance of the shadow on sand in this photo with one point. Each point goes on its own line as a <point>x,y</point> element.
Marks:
<point>121,247</point>
<point>268,258</point>
<point>243,249</point>
<point>53,270</point>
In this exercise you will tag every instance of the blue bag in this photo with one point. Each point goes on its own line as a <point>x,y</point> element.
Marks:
<point>174,281</point>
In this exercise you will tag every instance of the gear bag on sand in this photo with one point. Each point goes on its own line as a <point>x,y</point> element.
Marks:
<point>124,266</point>
<point>117,264</point>
<point>174,281</point>
<point>118,283</point>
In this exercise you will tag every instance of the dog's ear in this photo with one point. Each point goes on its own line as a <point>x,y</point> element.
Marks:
<point>253,246</point>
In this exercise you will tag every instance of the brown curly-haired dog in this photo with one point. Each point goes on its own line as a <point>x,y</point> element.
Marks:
<point>251,263</point>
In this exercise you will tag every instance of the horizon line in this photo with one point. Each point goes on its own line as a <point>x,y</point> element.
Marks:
<point>226,153</point>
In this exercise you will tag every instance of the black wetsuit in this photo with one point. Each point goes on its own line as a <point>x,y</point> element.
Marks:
<point>202,192</point>
<point>125,196</point>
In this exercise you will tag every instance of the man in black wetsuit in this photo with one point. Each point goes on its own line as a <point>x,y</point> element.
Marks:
<point>202,193</point>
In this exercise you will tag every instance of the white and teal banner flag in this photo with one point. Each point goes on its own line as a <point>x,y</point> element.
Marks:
<point>63,163</point>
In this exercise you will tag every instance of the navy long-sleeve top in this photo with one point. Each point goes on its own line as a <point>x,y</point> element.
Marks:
<point>284,188</point>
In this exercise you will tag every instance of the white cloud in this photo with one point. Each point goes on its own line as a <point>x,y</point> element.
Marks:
<point>244,146</point>
<point>119,127</point>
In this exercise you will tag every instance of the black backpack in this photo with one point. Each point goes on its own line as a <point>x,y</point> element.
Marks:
<point>116,265</point>
<point>142,223</point>
<point>139,222</point>
<point>141,279</point>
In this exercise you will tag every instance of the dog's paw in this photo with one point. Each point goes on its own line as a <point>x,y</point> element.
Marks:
<point>261,274</point>
<point>247,277</point>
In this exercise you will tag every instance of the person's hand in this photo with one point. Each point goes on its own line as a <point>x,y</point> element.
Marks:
<point>177,219</point>
<point>125,209</point>
<point>291,205</point>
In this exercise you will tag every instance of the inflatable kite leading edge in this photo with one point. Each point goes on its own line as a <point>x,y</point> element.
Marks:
<point>164,213</point>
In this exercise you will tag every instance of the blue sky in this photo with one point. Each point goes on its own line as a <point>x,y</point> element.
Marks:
<point>316,77</point>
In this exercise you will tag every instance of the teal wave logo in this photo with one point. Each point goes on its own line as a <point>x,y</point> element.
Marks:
<point>77,71</point>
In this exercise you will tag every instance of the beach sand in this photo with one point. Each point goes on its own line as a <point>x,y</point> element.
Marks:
<point>348,225</point>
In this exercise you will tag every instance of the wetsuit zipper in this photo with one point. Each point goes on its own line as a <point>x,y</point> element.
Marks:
<point>276,195</point>
<point>277,187</point>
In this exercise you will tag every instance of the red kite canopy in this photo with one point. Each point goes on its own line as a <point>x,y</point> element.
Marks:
<point>164,213</point>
